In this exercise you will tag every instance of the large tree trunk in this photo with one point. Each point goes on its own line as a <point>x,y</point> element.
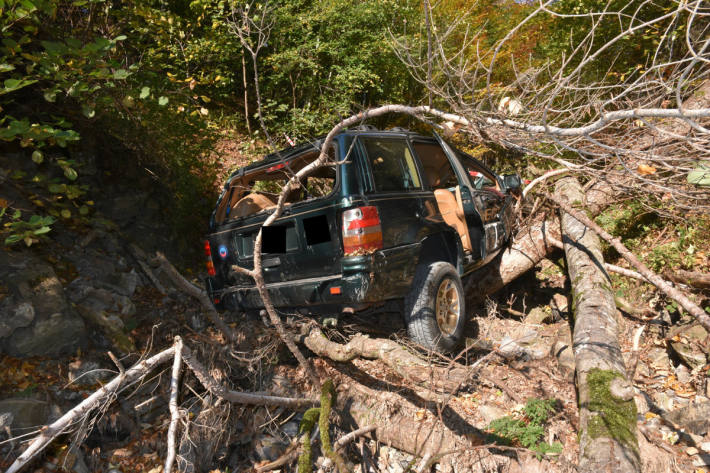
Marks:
<point>607,413</point>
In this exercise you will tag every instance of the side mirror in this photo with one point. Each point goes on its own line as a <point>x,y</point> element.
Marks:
<point>511,182</point>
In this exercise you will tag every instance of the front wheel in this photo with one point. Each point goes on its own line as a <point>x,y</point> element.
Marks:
<point>434,309</point>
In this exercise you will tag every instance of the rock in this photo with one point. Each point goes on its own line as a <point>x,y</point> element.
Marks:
<point>489,413</point>
<point>693,417</point>
<point>642,406</point>
<point>691,451</point>
<point>565,358</point>
<point>87,372</point>
<point>537,316</point>
<point>705,447</point>
<point>682,374</point>
<point>128,282</point>
<point>687,347</point>
<point>36,319</point>
<point>20,315</point>
<point>560,305</point>
<point>26,414</point>
<point>701,460</point>
<point>269,448</point>
<point>663,401</point>
<point>659,359</point>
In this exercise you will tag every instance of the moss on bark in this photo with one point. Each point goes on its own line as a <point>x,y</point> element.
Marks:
<point>610,417</point>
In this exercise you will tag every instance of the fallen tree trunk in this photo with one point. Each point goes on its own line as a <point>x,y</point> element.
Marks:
<point>607,413</point>
<point>403,362</point>
<point>667,288</point>
<point>397,425</point>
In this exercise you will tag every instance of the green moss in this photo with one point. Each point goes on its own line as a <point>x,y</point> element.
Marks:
<point>305,429</point>
<point>611,417</point>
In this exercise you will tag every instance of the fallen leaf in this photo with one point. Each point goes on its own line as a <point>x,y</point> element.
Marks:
<point>645,169</point>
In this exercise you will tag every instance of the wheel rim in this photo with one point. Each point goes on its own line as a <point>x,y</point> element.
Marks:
<point>448,307</point>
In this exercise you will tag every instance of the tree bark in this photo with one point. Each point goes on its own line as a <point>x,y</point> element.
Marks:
<point>395,356</point>
<point>607,425</point>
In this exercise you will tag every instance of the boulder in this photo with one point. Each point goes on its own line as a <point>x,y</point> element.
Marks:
<point>27,414</point>
<point>686,346</point>
<point>694,417</point>
<point>36,318</point>
<point>537,316</point>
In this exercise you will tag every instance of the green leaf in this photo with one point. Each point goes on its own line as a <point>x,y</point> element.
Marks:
<point>120,74</point>
<point>120,38</point>
<point>162,101</point>
<point>42,230</point>
<point>66,213</point>
<point>13,239</point>
<point>16,215</point>
<point>145,92</point>
<point>88,112</point>
<point>6,67</point>
<point>35,219</point>
<point>70,173</point>
<point>83,210</point>
<point>37,156</point>
<point>50,95</point>
<point>57,188</point>
<point>12,85</point>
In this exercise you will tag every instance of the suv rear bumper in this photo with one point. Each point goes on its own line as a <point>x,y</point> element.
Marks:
<point>352,288</point>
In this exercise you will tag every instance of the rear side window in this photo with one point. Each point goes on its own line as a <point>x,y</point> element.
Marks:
<point>392,164</point>
<point>479,177</point>
<point>436,167</point>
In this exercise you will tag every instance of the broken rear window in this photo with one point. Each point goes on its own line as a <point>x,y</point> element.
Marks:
<point>259,190</point>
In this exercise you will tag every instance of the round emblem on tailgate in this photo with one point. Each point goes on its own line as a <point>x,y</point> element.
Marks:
<point>222,251</point>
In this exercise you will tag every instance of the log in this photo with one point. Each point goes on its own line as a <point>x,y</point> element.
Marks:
<point>666,287</point>
<point>607,413</point>
<point>397,425</point>
<point>402,361</point>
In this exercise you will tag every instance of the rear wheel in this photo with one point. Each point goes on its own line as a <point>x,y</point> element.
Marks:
<point>434,310</point>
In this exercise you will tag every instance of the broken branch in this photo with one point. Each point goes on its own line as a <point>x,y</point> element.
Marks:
<point>672,292</point>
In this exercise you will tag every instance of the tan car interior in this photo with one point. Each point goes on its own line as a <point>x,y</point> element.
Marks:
<point>242,200</point>
<point>440,177</point>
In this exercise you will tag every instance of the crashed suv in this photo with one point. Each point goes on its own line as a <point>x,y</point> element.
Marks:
<point>401,217</point>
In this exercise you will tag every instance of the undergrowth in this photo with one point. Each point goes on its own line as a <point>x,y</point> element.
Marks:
<point>528,430</point>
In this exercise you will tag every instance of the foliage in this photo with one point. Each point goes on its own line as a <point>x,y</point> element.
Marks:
<point>29,231</point>
<point>529,430</point>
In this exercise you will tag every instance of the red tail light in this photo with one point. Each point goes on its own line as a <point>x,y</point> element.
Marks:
<point>210,265</point>
<point>362,231</point>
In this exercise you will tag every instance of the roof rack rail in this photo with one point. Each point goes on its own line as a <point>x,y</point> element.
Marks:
<point>400,129</point>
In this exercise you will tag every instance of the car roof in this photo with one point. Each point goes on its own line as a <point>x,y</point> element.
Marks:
<point>284,154</point>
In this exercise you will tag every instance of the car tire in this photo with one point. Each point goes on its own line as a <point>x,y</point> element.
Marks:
<point>434,309</point>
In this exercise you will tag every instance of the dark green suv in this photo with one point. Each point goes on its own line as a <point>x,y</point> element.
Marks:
<point>402,217</point>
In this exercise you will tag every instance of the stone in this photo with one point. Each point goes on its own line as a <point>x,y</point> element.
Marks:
<point>663,401</point>
<point>128,282</point>
<point>705,447</point>
<point>691,451</point>
<point>690,354</point>
<point>694,417</point>
<point>682,374</point>
<point>701,460</point>
<point>659,359</point>
<point>489,413</point>
<point>642,406</point>
<point>36,319</point>
<point>687,349</point>
<point>537,316</point>
<point>88,372</point>
<point>26,413</point>
<point>53,336</point>
<point>269,448</point>
<point>565,358</point>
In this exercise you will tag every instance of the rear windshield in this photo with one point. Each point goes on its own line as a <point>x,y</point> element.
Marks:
<point>259,190</point>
